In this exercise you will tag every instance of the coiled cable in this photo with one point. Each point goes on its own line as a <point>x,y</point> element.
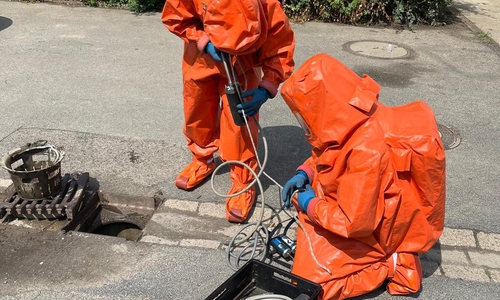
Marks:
<point>258,238</point>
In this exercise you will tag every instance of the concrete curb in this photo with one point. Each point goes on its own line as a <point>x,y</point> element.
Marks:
<point>493,45</point>
<point>460,253</point>
<point>4,184</point>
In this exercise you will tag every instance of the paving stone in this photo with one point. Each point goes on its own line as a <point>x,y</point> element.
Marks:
<point>180,225</point>
<point>490,241</point>
<point>441,256</point>
<point>430,268</point>
<point>120,248</point>
<point>160,218</point>
<point>457,237</point>
<point>287,215</point>
<point>181,205</point>
<point>21,223</point>
<point>256,214</point>
<point>491,260</point>
<point>285,218</point>
<point>495,276</point>
<point>5,183</point>
<point>465,273</point>
<point>157,240</point>
<point>453,257</point>
<point>217,210</point>
<point>200,243</point>
<point>231,230</point>
<point>432,255</point>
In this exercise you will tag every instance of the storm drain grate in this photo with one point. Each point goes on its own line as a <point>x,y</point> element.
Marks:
<point>450,137</point>
<point>65,204</point>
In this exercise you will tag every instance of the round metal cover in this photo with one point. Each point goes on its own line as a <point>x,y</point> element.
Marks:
<point>449,136</point>
<point>377,49</point>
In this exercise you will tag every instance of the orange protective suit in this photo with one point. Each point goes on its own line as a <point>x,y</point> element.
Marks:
<point>372,213</point>
<point>258,34</point>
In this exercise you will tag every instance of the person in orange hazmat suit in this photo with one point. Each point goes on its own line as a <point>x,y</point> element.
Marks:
<point>359,204</point>
<point>258,36</point>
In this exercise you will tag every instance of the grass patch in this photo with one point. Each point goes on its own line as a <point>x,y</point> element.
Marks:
<point>485,37</point>
<point>488,273</point>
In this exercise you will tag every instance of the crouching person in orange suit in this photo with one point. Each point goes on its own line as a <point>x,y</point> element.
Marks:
<point>259,37</point>
<point>372,194</point>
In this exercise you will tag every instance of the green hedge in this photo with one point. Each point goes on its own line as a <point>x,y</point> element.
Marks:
<point>409,12</point>
<point>146,5</point>
<point>134,5</point>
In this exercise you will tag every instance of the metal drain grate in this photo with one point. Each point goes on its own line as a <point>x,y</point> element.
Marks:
<point>65,204</point>
<point>450,137</point>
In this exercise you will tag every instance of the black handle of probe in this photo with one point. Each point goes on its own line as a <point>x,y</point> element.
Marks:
<point>234,99</point>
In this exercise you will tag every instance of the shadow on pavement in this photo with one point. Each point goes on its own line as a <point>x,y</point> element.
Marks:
<point>393,74</point>
<point>431,260</point>
<point>287,149</point>
<point>5,23</point>
<point>466,6</point>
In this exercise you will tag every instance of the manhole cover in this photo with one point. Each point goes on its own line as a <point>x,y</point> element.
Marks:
<point>377,49</point>
<point>449,136</point>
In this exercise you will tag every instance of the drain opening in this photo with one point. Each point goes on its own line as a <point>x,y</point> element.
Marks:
<point>114,215</point>
<point>449,136</point>
<point>97,213</point>
<point>126,230</point>
<point>73,202</point>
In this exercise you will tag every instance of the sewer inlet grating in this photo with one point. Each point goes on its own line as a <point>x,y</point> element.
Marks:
<point>66,203</point>
<point>89,210</point>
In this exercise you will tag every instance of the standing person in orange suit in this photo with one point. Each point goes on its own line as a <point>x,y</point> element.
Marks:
<point>258,36</point>
<point>372,195</point>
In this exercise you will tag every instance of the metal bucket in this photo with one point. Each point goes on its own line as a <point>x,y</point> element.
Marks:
<point>35,169</point>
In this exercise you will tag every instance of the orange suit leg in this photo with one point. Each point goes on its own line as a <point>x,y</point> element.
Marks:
<point>201,116</point>
<point>235,142</point>
<point>405,279</point>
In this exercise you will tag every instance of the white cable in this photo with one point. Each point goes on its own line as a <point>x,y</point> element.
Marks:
<point>258,225</point>
<point>311,248</point>
<point>260,129</point>
<point>308,240</point>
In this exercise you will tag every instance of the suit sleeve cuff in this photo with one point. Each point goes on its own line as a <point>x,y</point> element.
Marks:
<point>310,209</point>
<point>202,42</point>
<point>272,90</point>
<point>308,170</point>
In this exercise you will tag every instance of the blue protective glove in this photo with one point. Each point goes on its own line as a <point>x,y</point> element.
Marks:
<point>305,196</point>
<point>259,97</point>
<point>296,182</point>
<point>214,52</point>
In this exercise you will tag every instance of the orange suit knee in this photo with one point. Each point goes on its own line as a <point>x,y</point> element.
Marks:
<point>407,277</point>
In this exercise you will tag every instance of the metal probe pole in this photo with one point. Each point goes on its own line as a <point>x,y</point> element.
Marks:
<point>233,90</point>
